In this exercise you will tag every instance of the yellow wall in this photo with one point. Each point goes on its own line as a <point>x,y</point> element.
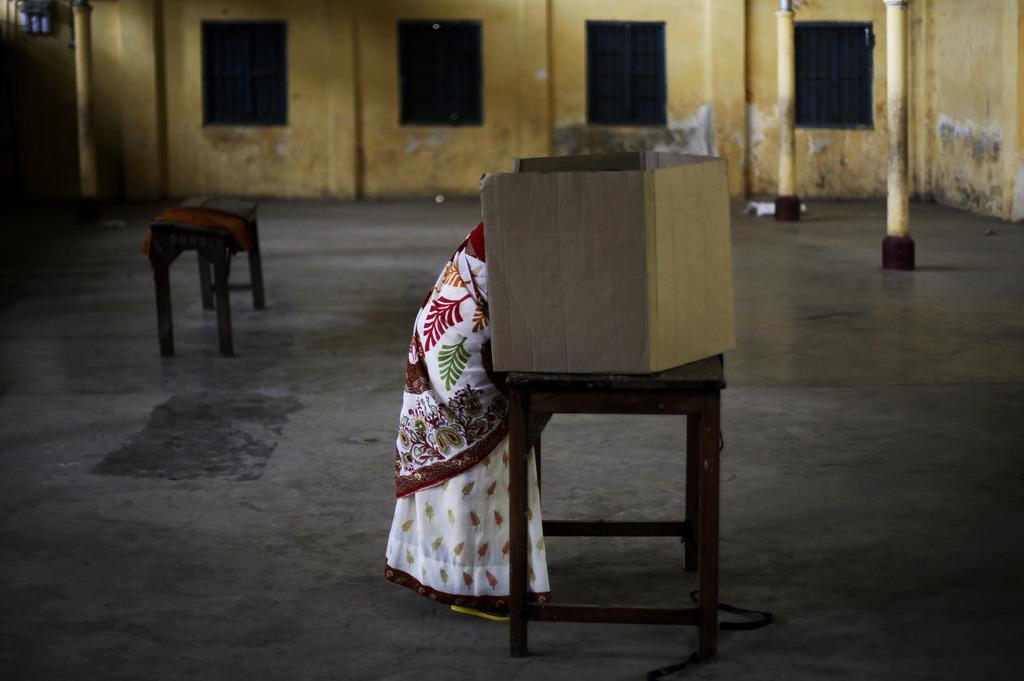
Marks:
<point>310,156</point>
<point>704,67</point>
<point>42,78</point>
<point>974,104</point>
<point>142,82</point>
<point>343,136</point>
<point>44,95</point>
<point>415,160</point>
<point>829,162</point>
<point>1017,208</point>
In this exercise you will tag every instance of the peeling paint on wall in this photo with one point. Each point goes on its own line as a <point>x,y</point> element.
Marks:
<point>436,138</point>
<point>956,190</point>
<point>967,167</point>
<point>984,143</point>
<point>758,123</point>
<point>816,145</point>
<point>692,135</point>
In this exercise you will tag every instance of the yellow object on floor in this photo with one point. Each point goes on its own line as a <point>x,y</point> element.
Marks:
<point>479,613</point>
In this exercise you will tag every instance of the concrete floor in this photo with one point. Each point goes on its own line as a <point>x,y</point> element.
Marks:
<point>226,518</point>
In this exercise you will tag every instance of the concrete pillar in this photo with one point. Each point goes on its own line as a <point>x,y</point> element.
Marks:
<point>86,127</point>
<point>897,247</point>
<point>787,203</point>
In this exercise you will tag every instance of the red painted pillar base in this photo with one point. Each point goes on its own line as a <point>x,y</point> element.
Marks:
<point>787,208</point>
<point>898,253</point>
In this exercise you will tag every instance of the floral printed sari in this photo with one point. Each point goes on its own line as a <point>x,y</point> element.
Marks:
<point>449,538</point>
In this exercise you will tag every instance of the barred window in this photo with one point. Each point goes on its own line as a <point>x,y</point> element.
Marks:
<point>833,75</point>
<point>244,73</point>
<point>626,72</point>
<point>441,73</point>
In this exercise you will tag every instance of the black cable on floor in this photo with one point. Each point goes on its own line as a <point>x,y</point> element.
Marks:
<point>763,619</point>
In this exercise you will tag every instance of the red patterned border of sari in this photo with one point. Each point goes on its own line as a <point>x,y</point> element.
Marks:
<point>439,472</point>
<point>494,604</point>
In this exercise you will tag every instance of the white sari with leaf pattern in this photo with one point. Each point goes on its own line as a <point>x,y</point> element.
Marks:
<point>449,537</point>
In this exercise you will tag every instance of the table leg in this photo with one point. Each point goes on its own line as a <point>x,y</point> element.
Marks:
<point>164,321</point>
<point>692,489</point>
<point>256,269</point>
<point>205,281</point>
<point>518,529</point>
<point>220,276</point>
<point>536,460</point>
<point>707,514</point>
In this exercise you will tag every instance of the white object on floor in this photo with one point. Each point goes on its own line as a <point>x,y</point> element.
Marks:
<point>766,208</point>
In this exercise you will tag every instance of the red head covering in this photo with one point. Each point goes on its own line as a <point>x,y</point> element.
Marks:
<point>476,241</point>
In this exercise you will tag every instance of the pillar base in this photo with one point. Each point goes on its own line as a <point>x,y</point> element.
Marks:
<point>787,208</point>
<point>89,211</point>
<point>898,253</point>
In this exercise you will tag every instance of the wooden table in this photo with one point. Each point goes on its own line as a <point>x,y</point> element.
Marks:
<point>213,248</point>
<point>693,390</point>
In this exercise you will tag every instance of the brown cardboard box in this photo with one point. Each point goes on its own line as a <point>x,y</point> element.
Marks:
<point>615,263</point>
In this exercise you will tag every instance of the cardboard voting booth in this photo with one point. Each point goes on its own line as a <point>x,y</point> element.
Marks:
<point>613,263</point>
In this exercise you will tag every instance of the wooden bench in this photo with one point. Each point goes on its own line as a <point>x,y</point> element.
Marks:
<point>693,390</point>
<point>213,248</point>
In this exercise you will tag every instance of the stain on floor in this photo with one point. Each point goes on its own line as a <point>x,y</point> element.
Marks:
<point>186,437</point>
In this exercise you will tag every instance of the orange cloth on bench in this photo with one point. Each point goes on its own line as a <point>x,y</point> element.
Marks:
<point>209,218</point>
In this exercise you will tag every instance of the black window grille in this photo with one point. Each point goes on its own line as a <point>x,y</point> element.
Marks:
<point>440,72</point>
<point>626,72</point>
<point>244,73</point>
<point>833,75</point>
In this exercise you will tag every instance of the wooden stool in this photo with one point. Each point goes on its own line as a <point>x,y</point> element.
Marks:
<point>247,211</point>
<point>213,248</point>
<point>694,390</point>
